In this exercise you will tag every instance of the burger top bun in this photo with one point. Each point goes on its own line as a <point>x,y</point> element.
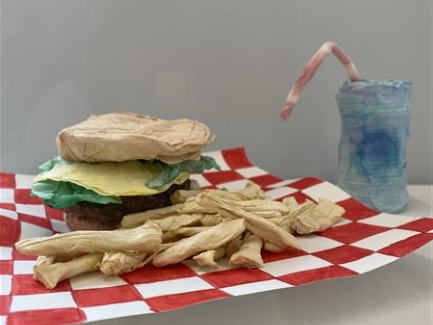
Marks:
<point>120,137</point>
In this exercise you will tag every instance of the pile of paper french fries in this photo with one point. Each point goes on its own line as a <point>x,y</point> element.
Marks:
<point>203,225</point>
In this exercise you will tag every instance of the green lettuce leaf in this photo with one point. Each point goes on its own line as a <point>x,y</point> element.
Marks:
<point>46,166</point>
<point>63,195</point>
<point>170,172</point>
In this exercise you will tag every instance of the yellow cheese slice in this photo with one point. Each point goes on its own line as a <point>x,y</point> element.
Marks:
<point>119,179</point>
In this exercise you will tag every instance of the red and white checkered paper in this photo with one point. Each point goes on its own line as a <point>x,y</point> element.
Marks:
<point>363,241</point>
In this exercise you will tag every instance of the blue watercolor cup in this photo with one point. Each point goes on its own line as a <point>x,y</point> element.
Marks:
<point>372,165</point>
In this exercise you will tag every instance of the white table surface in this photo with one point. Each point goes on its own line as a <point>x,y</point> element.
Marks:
<point>399,293</point>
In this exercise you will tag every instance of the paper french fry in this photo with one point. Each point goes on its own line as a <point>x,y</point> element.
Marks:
<point>252,191</point>
<point>270,247</point>
<point>180,196</point>
<point>248,254</point>
<point>209,258</point>
<point>190,231</point>
<point>234,245</point>
<point>137,219</point>
<point>146,238</point>
<point>319,218</point>
<point>208,239</point>
<point>256,224</point>
<point>208,220</point>
<point>51,274</point>
<point>176,221</point>
<point>119,263</point>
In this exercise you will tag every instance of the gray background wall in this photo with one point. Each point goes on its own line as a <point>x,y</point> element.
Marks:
<point>227,63</point>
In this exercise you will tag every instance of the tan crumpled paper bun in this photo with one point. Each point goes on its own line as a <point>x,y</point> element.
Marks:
<point>120,137</point>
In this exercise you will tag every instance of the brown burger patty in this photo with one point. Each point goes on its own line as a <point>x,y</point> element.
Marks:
<point>94,216</point>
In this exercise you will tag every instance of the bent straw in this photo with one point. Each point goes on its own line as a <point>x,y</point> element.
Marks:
<point>310,70</point>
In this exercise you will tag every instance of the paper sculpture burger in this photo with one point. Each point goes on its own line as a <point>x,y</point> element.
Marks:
<point>120,163</point>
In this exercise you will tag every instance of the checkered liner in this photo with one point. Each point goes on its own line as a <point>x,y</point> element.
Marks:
<point>363,241</point>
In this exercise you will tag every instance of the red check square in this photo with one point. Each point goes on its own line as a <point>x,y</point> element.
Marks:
<point>222,177</point>
<point>41,222</point>
<point>299,196</point>
<point>23,196</point>
<point>343,254</point>
<point>236,158</point>
<point>422,225</point>
<point>54,213</point>
<point>9,231</point>
<point>17,256</point>
<point>6,267</point>
<point>105,296</point>
<point>352,232</point>
<point>24,284</point>
<point>7,180</point>
<point>304,277</point>
<point>233,277</point>
<point>305,183</point>
<point>170,302</point>
<point>407,246</point>
<point>8,206</point>
<point>58,316</point>
<point>5,302</point>
<point>265,180</point>
<point>355,210</point>
<point>149,274</point>
<point>271,257</point>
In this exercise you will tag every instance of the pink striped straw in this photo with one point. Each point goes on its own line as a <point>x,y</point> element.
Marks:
<point>310,70</point>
